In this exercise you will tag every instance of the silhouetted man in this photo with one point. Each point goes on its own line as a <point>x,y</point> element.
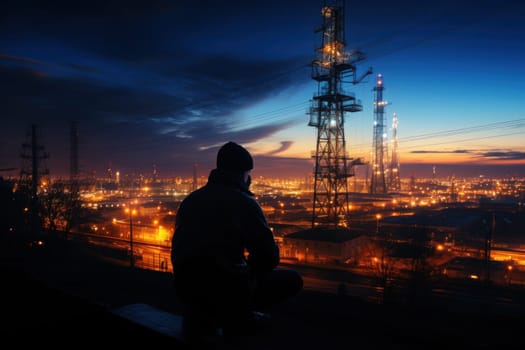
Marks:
<point>224,254</point>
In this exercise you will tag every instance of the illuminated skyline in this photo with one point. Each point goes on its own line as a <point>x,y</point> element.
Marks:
<point>166,83</point>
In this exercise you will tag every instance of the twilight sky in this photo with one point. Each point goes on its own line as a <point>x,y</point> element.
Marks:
<point>167,82</point>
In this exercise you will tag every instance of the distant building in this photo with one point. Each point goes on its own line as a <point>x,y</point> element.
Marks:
<point>469,268</point>
<point>323,245</point>
<point>465,230</point>
<point>452,227</point>
<point>501,204</point>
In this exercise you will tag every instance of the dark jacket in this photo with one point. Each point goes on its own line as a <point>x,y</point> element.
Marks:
<point>220,222</point>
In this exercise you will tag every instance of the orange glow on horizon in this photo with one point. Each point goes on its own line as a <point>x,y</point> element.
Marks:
<point>456,158</point>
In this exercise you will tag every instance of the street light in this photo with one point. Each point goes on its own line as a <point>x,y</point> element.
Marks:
<point>132,256</point>
<point>378,218</point>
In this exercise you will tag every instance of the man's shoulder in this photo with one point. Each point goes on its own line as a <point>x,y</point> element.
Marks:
<point>214,190</point>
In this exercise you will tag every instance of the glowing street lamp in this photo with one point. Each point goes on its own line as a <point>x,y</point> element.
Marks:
<point>131,212</point>
<point>378,220</point>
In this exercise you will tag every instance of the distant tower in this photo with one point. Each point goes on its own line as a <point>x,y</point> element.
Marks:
<point>194,183</point>
<point>367,176</point>
<point>73,161</point>
<point>379,146</point>
<point>395,180</point>
<point>332,68</point>
<point>155,174</point>
<point>453,191</point>
<point>33,156</point>
<point>412,182</point>
<point>434,174</point>
<point>33,168</point>
<point>109,173</point>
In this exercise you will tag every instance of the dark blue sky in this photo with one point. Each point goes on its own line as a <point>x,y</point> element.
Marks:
<point>167,82</point>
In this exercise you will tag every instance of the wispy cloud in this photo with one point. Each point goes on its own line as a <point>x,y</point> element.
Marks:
<point>35,64</point>
<point>457,151</point>
<point>480,154</point>
<point>504,155</point>
<point>284,146</point>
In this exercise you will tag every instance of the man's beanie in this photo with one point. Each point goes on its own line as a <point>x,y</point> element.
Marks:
<point>234,157</point>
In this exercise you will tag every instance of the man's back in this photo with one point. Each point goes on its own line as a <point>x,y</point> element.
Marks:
<point>221,220</point>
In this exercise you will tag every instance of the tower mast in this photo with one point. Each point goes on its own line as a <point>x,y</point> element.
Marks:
<point>395,181</point>
<point>332,68</point>
<point>379,146</point>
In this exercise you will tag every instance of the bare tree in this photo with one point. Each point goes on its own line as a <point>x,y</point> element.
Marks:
<point>59,207</point>
<point>380,251</point>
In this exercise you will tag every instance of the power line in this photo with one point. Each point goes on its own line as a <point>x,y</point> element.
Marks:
<point>484,127</point>
<point>466,140</point>
<point>513,124</point>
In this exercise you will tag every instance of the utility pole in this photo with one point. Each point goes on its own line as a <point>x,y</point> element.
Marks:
<point>73,162</point>
<point>488,243</point>
<point>33,156</point>
<point>131,255</point>
<point>195,184</point>
<point>131,212</point>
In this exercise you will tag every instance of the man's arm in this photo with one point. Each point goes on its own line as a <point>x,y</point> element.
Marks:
<point>260,242</point>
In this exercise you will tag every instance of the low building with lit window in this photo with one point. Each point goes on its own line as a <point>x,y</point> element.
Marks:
<point>323,245</point>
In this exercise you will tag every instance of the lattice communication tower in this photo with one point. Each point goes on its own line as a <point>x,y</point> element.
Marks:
<point>378,183</point>
<point>332,69</point>
<point>395,180</point>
